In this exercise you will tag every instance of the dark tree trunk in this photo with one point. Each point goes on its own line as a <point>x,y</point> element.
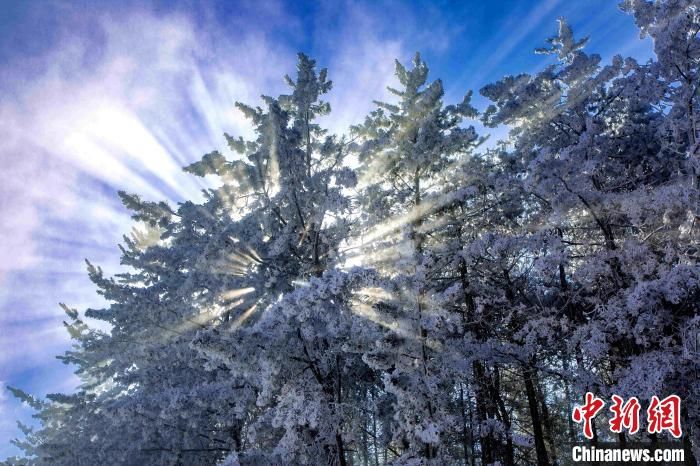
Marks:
<point>484,411</point>
<point>338,436</point>
<point>569,402</point>
<point>547,422</point>
<point>485,405</point>
<point>529,378</point>
<point>467,442</point>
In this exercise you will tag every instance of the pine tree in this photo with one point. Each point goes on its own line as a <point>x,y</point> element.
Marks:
<point>405,147</point>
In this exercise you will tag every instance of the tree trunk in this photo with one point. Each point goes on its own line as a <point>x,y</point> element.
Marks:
<point>547,422</point>
<point>507,450</point>
<point>467,443</point>
<point>338,435</point>
<point>485,407</point>
<point>569,403</point>
<point>484,411</point>
<point>529,378</point>
<point>374,428</point>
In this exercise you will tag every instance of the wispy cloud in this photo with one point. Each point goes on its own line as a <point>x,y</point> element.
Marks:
<point>73,134</point>
<point>361,66</point>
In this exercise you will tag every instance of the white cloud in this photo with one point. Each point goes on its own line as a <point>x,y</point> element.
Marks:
<point>361,70</point>
<point>115,121</point>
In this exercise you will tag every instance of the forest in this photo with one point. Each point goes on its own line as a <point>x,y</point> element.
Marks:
<point>409,293</point>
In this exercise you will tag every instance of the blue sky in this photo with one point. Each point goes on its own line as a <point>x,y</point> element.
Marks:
<point>100,96</point>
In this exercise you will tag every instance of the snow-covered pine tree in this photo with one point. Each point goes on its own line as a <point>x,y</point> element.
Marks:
<point>612,269</point>
<point>405,147</point>
<point>291,347</point>
<point>167,392</point>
